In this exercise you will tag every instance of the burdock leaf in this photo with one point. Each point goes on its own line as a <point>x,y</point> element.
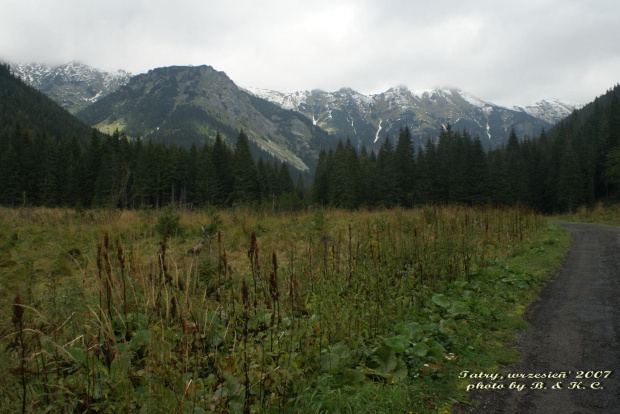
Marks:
<point>441,300</point>
<point>329,362</point>
<point>419,349</point>
<point>400,372</point>
<point>398,343</point>
<point>410,330</point>
<point>385,360</point>
<point>435,354</point>
<point>341,350</point>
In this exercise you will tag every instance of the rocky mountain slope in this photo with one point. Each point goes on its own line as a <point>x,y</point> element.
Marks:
<point>366,119</point>
<point>24,107</point>
<point>186,105</point>
<point>73,85</point>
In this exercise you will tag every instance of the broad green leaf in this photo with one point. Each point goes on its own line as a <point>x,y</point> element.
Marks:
<point>215,339</point>
<point>435,354</point>
<point>458,308</point>
<point>341,350</point>
<point>120,366</point>
<point>522,284</point>
<point>329,362</point>
<point>410,330</point>
<point>431,342</point>
<point>420,349</point>
<point>460,283</point>
<point>398,343</point>
<point>385,360</point>
<point>231,382</point>
<point>400,372</point>
<point>137,321</point>
<point>441,300</point>
<point>264,317</point>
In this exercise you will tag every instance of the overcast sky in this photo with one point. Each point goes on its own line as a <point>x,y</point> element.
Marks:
<point>505,52</point>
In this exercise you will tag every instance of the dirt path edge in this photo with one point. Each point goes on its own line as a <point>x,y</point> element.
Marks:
<point>571,351</point>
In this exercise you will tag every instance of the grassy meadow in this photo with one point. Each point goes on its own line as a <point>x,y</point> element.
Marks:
<point>325,311</point>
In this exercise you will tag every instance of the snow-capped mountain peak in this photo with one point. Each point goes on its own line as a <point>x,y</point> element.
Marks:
<point>364,117</point>
<point>73,85</point>
<point>285,100</point>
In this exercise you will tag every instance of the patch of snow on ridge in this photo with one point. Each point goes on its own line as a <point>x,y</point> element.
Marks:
<point>469,98</point>
<point>378,130</point>
<point>284,100</point>
<point>36,74</point>
<point>552,111</point>
<point>94,98</point>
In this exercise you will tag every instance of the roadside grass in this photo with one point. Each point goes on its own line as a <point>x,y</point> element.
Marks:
<point>320,312</point>
<point>605,214</point>
<point>502,290</point>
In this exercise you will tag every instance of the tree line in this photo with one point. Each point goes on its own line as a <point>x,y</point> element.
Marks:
<point>112,170</point>
<point>576,163</point>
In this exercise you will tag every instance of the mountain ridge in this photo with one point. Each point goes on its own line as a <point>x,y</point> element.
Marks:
<point>185,105</point>
<point>365,119</point>
<point>386,112</point>
<point>73,85</point>
<point>41,75</point>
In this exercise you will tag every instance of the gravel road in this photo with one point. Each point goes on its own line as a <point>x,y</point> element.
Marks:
<point>573,342</point>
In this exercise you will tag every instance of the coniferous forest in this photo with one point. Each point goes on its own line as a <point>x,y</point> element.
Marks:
<point>576,163</point>
<point>48,158</point>
<point>111,171</point>
<point>47,161</point>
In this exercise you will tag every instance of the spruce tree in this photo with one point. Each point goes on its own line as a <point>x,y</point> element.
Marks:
<point>569,179</point>
<point>515,171</point>
<point>300,189</point>
<point>285,180</point>
<point>477,173</point>
<point>386,174</point>
<point>246,186</point>
<point>263,184</point>
<point>404,165</point>
<point>221,157</point>
<point>205,177</point>
<point>320,186</point>
<point>343,186</point>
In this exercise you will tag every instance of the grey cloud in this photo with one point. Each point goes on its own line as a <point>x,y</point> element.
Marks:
<point>510,52</point>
